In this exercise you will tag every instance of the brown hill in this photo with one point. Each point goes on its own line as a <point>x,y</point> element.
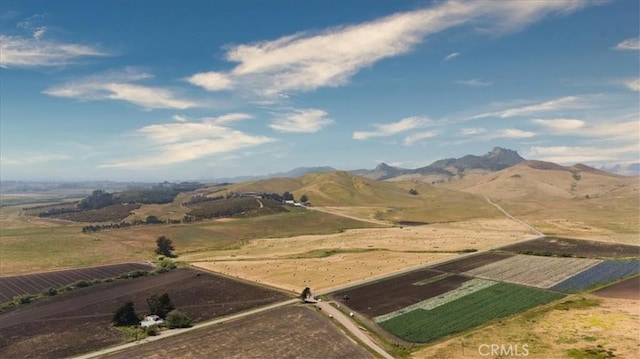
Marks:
<point>576,201</point>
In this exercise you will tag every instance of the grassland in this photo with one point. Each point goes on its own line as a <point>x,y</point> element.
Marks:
<point>475,309</point>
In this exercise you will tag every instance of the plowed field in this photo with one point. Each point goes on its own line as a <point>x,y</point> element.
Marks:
<point>574,247</point>
<point>80,321</point>
<point>38,282</point>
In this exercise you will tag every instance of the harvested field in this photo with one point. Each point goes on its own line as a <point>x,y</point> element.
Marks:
<point>601,273</point>
<point>469,263</point>
<point>396,293</point>
<point>574,247</point>
<point>475,309</point>
<point>36,283</point>
<point>51,328</point>
<point>265,335</point>
<point>541,272</point>
<point>627,289</point>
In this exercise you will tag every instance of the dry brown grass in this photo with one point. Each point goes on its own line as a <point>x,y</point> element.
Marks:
<point>327,261</point>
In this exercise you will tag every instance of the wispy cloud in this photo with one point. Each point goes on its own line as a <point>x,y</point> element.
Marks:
<point>301,121</point>
<point>119,86</point>
<point>575,154</point>
<point>451,56</point>
<point>632,84</point>
<point>473,83</point>
<point>483,134</point>
<point>389,129</point>
<point>563,103</point>
<point>31,159</point>
<point>173,143</point>
<point>305,62</point>
<point>413,138</point>
<point>560,124</point>
<point>632,44</point>
<point>18,51</point>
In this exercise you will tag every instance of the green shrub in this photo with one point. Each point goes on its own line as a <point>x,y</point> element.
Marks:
<point>177,319</point>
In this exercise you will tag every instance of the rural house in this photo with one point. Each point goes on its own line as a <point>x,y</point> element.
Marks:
<point>150,320</point>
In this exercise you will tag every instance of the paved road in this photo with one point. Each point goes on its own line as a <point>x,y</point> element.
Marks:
<point>349,324</point>
<point>173,332</point>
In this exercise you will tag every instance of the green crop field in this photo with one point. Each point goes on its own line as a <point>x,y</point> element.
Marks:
<point>498,301</point>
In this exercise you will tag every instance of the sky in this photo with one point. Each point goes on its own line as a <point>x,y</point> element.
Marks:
<point>196,90</point>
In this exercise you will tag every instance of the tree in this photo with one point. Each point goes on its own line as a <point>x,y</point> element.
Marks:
<point>176,319</point>
<point>304,198</point>
<point>153,220</point>
<point>125,315</point>
<point>413,191</point>
<point>287,196</point>
<point>160,305</point>
<point>165,246</point>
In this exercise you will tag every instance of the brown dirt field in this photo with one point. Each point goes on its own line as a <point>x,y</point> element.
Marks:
<point>627,289</point>
<point>469,263</point>
<point>290,332</point>
<point>327,261</point>
<point>396,293</point>
<point>576,247</point>
<point>51,328</point>
<point>12,286</point>
<point>549,332</point>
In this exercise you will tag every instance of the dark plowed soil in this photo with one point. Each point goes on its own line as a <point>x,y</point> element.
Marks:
<point>473,262</point>
<point>38,282</point>
<point>396,293</point>
<point>574,247</point>
<point>289,332</point>
<point>80,321</point>
<point>627,289</point>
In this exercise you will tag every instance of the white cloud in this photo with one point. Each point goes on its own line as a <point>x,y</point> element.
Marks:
<point>413,138</point>
<point>629,44</point>
<point>211,81</point>
<point>232,117</point>
<point>563,103</point>
<point>305,62</point>
<point>473,131</point>
<point>560,124</point>
<point>585,154</point>
<point>118,86</point>
<point>632,84</point>
<point>451,56</point>
<point>301,121</point>
<point>18,51</point>
<point>473,83</point>
<point>180,142</point>
<point>513,133</point>
<point>179,118</point>
<point>31,159</point>
<point>385,130</point>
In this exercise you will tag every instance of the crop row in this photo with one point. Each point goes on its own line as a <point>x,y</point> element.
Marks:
<point>601,273</point>
<point>541,272</point>
<point>38,282</point>
<point>469,287</point>
<point>475,309</point>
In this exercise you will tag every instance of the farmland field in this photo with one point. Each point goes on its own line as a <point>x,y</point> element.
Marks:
<point>289,332</point>
<point>51,328</point>
<point>396,293</point>
<point>627,289</point>
<point>475,309</point>
<point>35,283</point>
<point>541,272</point>
<point>601,273</point>
<point>472,262</point>
<point>574,247</point>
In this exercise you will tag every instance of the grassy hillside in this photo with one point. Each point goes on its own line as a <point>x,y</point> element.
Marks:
<point>390,201</point>
<point>574,201</point>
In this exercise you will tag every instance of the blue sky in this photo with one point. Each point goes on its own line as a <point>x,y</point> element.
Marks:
<point>182,90</point>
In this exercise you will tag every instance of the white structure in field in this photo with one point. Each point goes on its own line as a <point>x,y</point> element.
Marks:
<point>150,320</point>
